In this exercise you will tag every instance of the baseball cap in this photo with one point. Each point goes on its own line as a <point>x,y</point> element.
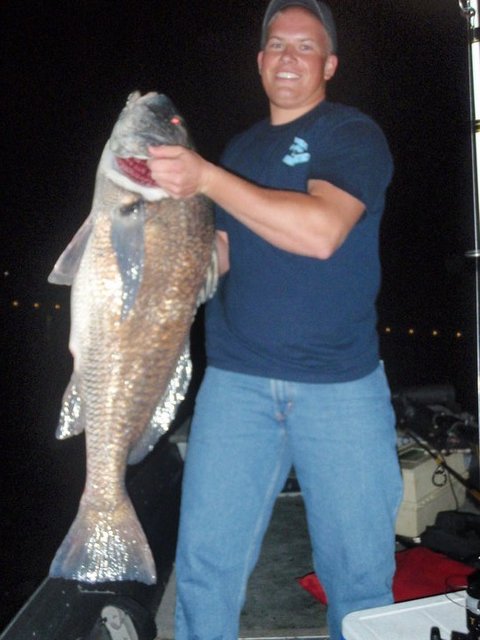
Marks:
<point>317,7</point>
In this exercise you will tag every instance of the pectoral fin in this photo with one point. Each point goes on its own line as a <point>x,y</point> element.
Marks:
<point>128,242</point>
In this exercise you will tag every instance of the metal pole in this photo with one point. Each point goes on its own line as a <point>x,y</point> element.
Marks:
<point>469,9</point>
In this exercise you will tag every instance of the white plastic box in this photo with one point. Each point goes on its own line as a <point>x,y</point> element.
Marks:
<point>411,620</point>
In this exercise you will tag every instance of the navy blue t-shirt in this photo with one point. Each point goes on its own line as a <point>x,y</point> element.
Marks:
<point>281,315</point>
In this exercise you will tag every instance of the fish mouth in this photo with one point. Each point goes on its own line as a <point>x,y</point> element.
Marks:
<point>137,169</point>
<point>132,174</point>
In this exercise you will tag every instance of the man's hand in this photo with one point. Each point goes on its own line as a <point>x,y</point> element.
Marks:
<point>181,172</point>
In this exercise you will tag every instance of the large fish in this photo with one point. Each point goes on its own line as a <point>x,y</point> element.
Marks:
<point>139,266</point>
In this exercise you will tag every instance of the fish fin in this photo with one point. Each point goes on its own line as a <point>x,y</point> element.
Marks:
<point>127,236</point>
<point>66,267</point>
<point>166,409</point>
<point>211,280</point>
<point>105,546</point>
<point>72,416</point>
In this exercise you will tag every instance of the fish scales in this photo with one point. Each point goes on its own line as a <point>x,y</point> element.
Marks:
<point>129,335</point>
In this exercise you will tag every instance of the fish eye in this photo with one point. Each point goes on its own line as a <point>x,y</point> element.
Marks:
<point>131,209</point>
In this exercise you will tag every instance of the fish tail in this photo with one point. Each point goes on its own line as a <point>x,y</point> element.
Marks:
<point>105,546</point>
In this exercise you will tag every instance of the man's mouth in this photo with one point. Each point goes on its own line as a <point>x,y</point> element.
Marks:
<point>287,75</point>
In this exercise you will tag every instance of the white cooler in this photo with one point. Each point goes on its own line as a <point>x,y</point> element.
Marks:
<point>410,620</point>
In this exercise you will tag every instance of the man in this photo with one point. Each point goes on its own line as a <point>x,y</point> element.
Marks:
<point>293,373</point>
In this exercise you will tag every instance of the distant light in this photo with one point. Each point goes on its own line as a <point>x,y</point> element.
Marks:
<point>411,332</point>
<point>459,334</point>
<point>15,303</point>
<point>6,273</point>
<point>434,333</point>
<point>57,306</point>
<point>388,329</point>
<point>36,305</point>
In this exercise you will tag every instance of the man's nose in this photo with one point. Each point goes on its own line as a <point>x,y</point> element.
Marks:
<point>288,53</point>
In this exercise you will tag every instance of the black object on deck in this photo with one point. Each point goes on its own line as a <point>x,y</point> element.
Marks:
<point>66,609</point>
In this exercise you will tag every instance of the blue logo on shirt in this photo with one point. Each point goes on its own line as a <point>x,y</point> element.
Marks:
<point>298,153</point>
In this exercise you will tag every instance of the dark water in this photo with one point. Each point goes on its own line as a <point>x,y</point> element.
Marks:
<point>41,477</point>
<point>427,360</point>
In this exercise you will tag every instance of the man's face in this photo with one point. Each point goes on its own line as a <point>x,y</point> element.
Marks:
<point>296,64</point>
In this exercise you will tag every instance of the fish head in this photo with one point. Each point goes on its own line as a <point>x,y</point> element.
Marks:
<point>145,121</point>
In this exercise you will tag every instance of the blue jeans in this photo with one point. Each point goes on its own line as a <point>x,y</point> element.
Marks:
<point>246,433</point>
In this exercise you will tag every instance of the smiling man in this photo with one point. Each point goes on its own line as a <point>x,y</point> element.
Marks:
<point>293,375</point>
<point>295,64</point>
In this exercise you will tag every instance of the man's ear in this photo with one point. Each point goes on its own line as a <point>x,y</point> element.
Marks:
<point>330,66</point>
<point>259,61</point>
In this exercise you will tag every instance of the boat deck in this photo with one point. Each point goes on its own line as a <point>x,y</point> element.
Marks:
<point>276,605</point>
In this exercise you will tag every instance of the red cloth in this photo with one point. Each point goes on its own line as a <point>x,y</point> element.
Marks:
<point>420,573</point>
